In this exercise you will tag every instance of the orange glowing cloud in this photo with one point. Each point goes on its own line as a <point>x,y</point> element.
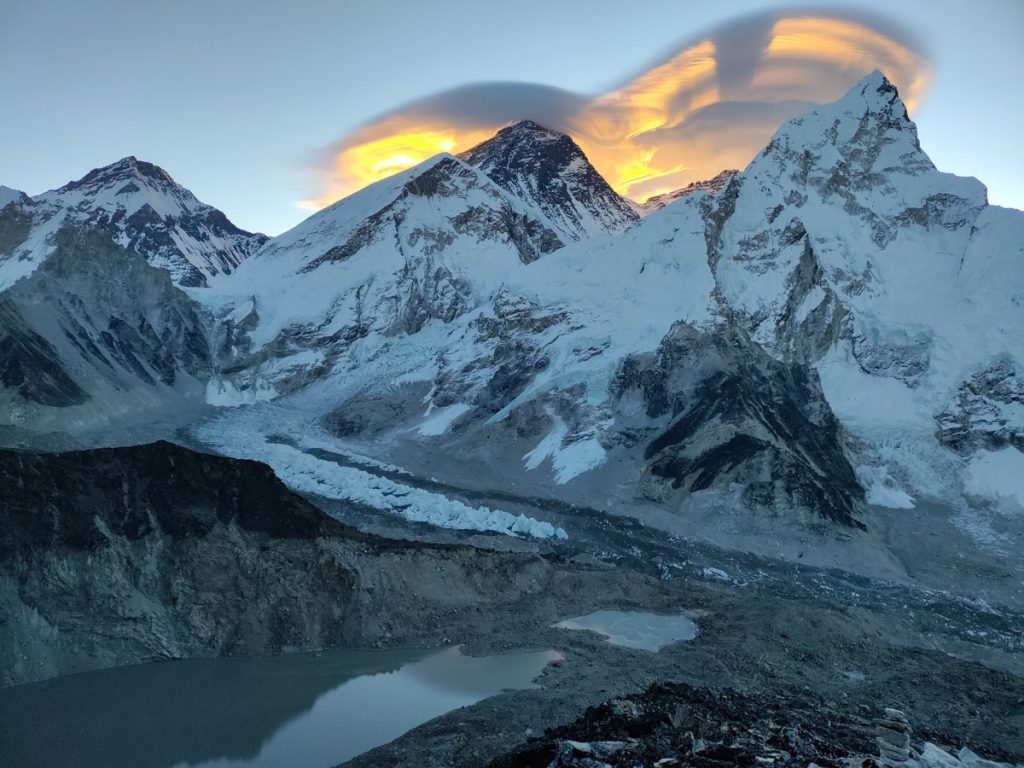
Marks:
<point>712,105</point>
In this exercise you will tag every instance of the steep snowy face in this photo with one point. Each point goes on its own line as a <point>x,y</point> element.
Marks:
<point>548,171</point>
<point>841,246</point>
<point>711,186</point>
<point>841,209</point>
<point>144,209</point>
<point>426,245</point>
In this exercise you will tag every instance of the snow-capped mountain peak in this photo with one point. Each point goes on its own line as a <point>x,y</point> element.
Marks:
<point>141,206</point>
<point>837,325</point>
<point>815,210</point>
<point>867,135</point>
<point>127,184</point>
<point>428,244</point>
<point>549,171</point>
<point>441,190</point>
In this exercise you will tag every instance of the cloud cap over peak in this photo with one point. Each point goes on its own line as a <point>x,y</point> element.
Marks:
<point>711,103</point>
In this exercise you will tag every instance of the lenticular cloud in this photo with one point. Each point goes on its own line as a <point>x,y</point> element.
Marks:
<point>710,104</point>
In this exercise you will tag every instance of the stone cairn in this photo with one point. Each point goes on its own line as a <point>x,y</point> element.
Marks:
<point>892,735</point>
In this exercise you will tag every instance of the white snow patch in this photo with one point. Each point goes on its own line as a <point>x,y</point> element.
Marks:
<point>242,310</point>
<point>997,475</point>
<point>568,462</point>
<point>811,301</point>
<point>577,458</point>
<point>441,420</point>
<point>715,573</point>
<point>550,445</point>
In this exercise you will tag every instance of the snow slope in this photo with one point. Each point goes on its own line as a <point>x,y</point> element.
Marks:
<point>430,244</point>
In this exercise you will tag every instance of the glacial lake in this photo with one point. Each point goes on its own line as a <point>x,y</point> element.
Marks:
<point>635,629</point>
<point>290,711</point>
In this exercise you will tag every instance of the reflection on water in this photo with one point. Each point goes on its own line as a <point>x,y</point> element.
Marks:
<point>635,629</point>
<point>296,710</point>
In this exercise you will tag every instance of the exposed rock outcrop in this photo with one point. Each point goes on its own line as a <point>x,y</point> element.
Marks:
<point>676,725</point>
<point>123,555</point>
<point>96,326</point>
<point>719,411</point>
<point>548,171</point>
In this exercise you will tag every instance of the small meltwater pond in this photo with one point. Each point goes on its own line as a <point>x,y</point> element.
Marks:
<point>635,629</point>
<point>315,710</point>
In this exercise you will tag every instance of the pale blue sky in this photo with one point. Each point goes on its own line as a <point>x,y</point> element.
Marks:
<point>236,99</point>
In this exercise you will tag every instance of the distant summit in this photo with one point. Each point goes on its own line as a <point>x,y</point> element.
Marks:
<point>126,169</point>
<point>144,209</point>
<point>712,186</point>
<point>548,170</point>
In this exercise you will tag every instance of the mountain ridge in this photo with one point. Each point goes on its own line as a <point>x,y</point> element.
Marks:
<point>713,185</point>
<point>438,312</point>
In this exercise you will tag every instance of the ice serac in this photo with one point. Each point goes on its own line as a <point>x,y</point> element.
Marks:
<point>142,208</point>
<point>548,171</point>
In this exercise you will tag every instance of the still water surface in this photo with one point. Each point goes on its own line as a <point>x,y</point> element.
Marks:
<point>635,629</point>
<point>297,710</point>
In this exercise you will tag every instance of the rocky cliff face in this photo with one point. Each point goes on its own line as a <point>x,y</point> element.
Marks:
<point>550,173</point>
<point>124,555</point>
<point>718,411</point>
<point>96,334</point>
